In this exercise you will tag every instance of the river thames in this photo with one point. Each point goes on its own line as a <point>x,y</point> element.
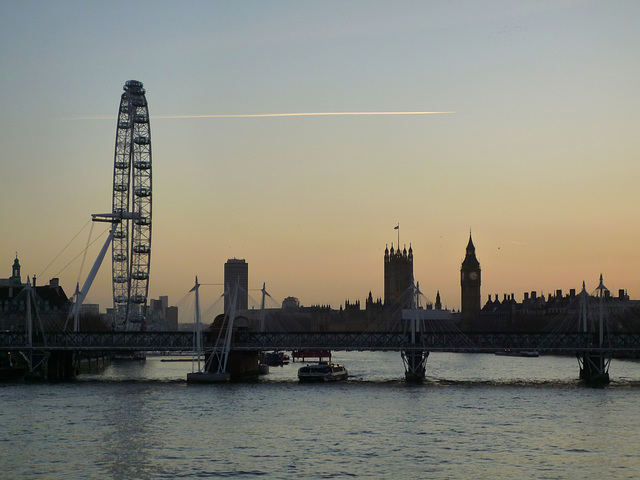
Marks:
<point>476,416</point>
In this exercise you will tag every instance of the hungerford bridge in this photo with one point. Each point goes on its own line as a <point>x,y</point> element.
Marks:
<point>233,352</point>
<point>581,344</point>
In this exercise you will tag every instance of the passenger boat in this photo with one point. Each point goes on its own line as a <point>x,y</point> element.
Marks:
<point>507,352</point>
<point>322,372</point>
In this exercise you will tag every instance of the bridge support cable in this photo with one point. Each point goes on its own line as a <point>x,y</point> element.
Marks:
<point>440,330</point>
<point>562,325</point>
<point>217,358</point>
<point>415,358</point>
<point>33,359</point>
<point>594,366</point>
<point>81,295</point>
<point>197,330</point>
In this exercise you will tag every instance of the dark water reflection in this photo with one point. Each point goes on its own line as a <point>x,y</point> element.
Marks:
<point>475,417</point>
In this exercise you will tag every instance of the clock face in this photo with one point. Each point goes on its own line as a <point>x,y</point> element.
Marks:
<point>473,276</point>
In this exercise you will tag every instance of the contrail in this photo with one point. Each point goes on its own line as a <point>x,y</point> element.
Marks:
<point>258,115</point>
<point>304,114</point>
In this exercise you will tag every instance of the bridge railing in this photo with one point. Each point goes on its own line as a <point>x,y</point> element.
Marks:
<point>558,343</point>
<point>134,341</point>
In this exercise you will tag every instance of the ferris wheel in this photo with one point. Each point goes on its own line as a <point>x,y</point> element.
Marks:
<point>131,247</point>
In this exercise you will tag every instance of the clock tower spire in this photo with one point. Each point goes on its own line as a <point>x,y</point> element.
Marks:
<point>470,283</point>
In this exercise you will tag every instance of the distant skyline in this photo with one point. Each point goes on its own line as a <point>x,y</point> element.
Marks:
<point>273,140</point>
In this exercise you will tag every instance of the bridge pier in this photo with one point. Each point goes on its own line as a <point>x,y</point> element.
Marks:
<point>61,365</point>
<point>415,365</point>
<point>594,368</point>
<point>52,365</point>
<point>241,365</point>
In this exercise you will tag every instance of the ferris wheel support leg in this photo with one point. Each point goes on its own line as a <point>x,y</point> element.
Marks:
<point>75,311</point>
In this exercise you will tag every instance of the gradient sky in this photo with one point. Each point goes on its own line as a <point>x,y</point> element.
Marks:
<point>539,160</point>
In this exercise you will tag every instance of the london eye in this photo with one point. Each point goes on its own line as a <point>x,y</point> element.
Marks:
<point>131,247</point>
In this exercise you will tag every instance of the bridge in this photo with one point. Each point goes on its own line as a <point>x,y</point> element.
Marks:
<point>590,339</point>
<point>593,352</point>
<point>563,343</point>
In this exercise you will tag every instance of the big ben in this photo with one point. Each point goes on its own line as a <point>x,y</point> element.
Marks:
<point>470,283</point>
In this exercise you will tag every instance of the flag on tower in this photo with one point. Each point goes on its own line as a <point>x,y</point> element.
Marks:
<point>397,227</point>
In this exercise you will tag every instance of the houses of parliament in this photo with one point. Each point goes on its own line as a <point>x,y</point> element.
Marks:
<point>398,280</point>
<point>536,312</point>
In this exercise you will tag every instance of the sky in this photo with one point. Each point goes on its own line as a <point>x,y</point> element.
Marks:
<point>538,159</point>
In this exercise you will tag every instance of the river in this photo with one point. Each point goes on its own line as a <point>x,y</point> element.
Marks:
<point>475,417</point>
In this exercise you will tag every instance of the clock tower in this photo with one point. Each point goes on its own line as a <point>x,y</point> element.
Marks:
<point>470,283</point>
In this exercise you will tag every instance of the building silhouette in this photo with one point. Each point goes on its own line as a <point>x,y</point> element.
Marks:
<point>470,284</point>
<point>398,276</point>
<point>51,302</point>
<point>236,271</point>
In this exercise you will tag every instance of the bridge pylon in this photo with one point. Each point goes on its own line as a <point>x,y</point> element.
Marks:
<point>594,367</point>
<point>415,365</point>
<point>415,357</point>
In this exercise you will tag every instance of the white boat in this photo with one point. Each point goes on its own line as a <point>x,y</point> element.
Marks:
<point>322,372</point>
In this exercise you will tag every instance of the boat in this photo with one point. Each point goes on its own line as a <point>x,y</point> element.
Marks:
<point>322,372</point>
<point>304,354</point>
<point>507,352</point>
<point>276,359</point>
<point>529,353</point>
<point>130,357</point>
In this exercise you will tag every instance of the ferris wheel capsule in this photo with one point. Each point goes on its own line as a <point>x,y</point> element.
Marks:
<point>132,194</point>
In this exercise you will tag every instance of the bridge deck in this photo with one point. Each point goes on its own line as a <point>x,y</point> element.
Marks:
<point>558,343</point>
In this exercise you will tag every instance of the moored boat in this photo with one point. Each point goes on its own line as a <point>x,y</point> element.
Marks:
<point>275,359</point>
<point>507,352</point>
<point>322,372</point>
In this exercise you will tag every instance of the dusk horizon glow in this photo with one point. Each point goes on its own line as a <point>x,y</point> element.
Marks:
<point>517,120</point>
